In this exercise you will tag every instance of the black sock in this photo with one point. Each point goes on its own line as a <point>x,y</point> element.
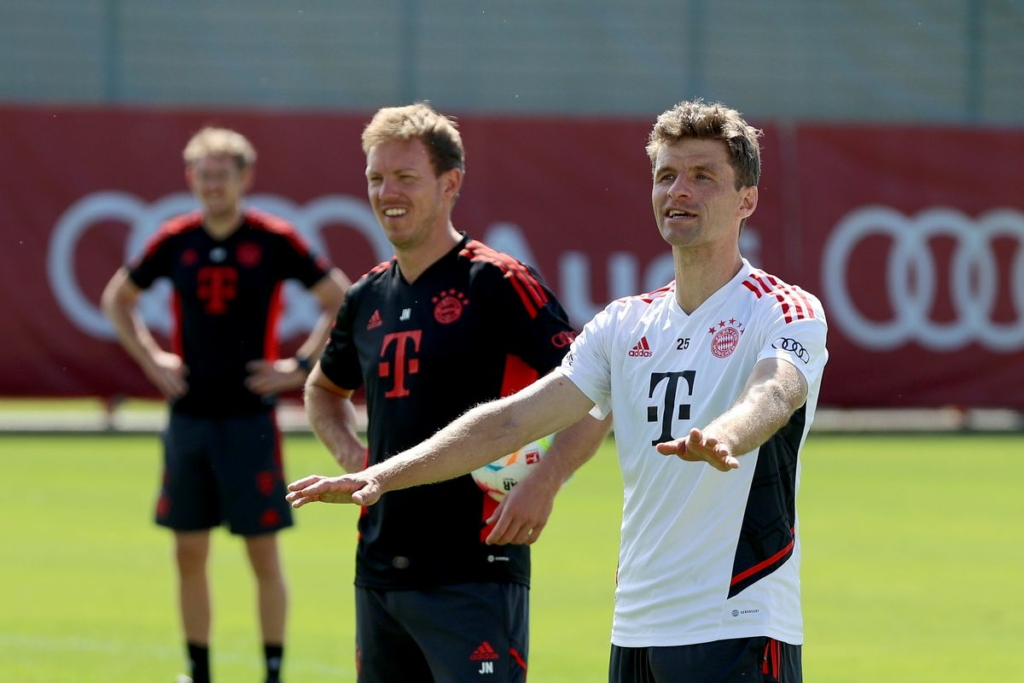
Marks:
<point>273,654</point>
<point>199,662</point>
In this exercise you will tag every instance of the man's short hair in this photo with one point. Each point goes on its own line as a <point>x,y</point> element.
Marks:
<point>419,121</point>
<point>714,121</point>
<point>212,141</point>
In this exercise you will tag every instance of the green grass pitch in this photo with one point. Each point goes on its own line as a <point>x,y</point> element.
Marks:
<point>913,560</point>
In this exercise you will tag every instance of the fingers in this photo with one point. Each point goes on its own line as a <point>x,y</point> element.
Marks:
<point>513,528</point>
<point>698,447</point>
<point>368,495</point>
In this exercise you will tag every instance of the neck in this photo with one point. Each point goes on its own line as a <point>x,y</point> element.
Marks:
<point>412,261</point>
<point>223,225</point>
<point>698,276</point>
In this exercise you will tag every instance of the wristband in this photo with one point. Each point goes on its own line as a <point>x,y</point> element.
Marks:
<point>304,364</point>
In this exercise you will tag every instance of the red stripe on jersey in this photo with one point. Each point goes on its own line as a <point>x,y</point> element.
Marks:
<point>271,352</point>
<point>270,223</point>
<point>752,287</point>
<point>795,304</point>
<point>530,291</point>
<point>175,226</point>
<point>516,376</point>
<point>656,294</point>
<point>767,563</point>
<point>176,346</point>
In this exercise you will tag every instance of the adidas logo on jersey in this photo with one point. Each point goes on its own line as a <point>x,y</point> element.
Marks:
<point>641,350</point>
<point>374,321</point>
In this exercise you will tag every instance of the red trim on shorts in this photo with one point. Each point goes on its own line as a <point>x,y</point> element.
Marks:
<point>518,657</point>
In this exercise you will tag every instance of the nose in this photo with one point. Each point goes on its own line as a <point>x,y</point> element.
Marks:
<point>679,188</point>
<point>387,188</point>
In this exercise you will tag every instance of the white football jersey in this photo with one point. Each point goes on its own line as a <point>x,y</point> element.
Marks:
<point>705,555</point>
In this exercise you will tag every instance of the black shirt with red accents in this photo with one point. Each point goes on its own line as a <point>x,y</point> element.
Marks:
<point>475,326</point>
<point>226,302</point>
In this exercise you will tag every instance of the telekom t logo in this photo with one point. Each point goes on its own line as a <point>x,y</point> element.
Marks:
<point>670,409</point>
<point>217,286</point>
<point>403,363</point>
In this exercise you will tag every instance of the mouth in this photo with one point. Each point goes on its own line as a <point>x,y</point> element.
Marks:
<point>395,212</point>
<point>679,213</point>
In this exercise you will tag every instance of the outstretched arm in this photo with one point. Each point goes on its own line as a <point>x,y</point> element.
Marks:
<point>480,436</point>
<point>774,390</point>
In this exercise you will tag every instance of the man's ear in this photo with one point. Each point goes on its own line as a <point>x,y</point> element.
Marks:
<point>248,177</point>
<point>748,201</point>
<point>452,182</point>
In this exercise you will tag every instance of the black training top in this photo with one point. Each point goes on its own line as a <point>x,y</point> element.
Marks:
<point>226,302</point>
<point>476,325</point>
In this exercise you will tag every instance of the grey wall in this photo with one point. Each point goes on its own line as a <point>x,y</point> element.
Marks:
<point>877,60</point>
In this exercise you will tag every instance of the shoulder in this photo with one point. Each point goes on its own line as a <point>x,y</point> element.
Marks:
<point>771,292</point>
<point>261,220</point>
<point>489,259</point>
<point>180,225</point>
<point>492,267</point>
<point>374,275</point>
<point>173,231</point>
<point>639,304</point>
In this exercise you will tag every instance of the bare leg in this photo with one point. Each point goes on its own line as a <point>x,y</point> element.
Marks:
<point>191,550</point>
<point>272,592</point>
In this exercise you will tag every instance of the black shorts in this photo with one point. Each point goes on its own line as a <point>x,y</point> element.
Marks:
<point>452,634</point>
<point>223,471</point>
<point>743,660</point>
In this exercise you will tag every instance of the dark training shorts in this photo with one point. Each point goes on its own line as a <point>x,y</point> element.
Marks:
<point>469,632</point>
<point>224,470</point>
<point>739,660</point>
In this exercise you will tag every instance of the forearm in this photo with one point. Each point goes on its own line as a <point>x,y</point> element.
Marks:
<point>762,409</point>
<point>486,433</point>
<point>329,292</point>
<point>133,334</point>
<point>314,343</point>
<point>333,420</point>
<point>572,448</point>
<point>480,436</point>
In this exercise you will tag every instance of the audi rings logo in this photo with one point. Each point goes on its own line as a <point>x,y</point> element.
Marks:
<point>912,283</point>
<point>300,310</point>
<point>792,346</point>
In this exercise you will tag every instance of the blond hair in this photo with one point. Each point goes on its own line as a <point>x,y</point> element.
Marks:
<point>212,141</point>
<point>420,121</point>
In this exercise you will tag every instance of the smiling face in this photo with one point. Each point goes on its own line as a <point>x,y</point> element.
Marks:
<point>696,201</point>
<point>413,205</point>
<point>219,184</point>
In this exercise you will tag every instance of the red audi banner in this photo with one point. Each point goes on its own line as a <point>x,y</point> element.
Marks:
<point>912,237</point>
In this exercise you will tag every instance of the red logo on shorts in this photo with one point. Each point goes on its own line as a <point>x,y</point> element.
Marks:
<point>485,651</point>
<point>265,482</point>
<point>270,518</point>
<point>448,306</point>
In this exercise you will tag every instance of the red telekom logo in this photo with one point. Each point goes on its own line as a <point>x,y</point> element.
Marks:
<point>403,362</point>
<point>217,286</point>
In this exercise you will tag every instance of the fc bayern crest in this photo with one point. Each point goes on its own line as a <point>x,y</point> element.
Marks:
<point>248,254</point>
<point>726,337</point>
<point>448,306</point>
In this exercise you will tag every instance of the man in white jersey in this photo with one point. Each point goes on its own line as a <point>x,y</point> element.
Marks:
<point>713,381</point>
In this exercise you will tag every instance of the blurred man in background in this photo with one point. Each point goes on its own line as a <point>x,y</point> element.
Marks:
<point>447,324</point>
<point>721,366</point>
<point>222,447</point>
